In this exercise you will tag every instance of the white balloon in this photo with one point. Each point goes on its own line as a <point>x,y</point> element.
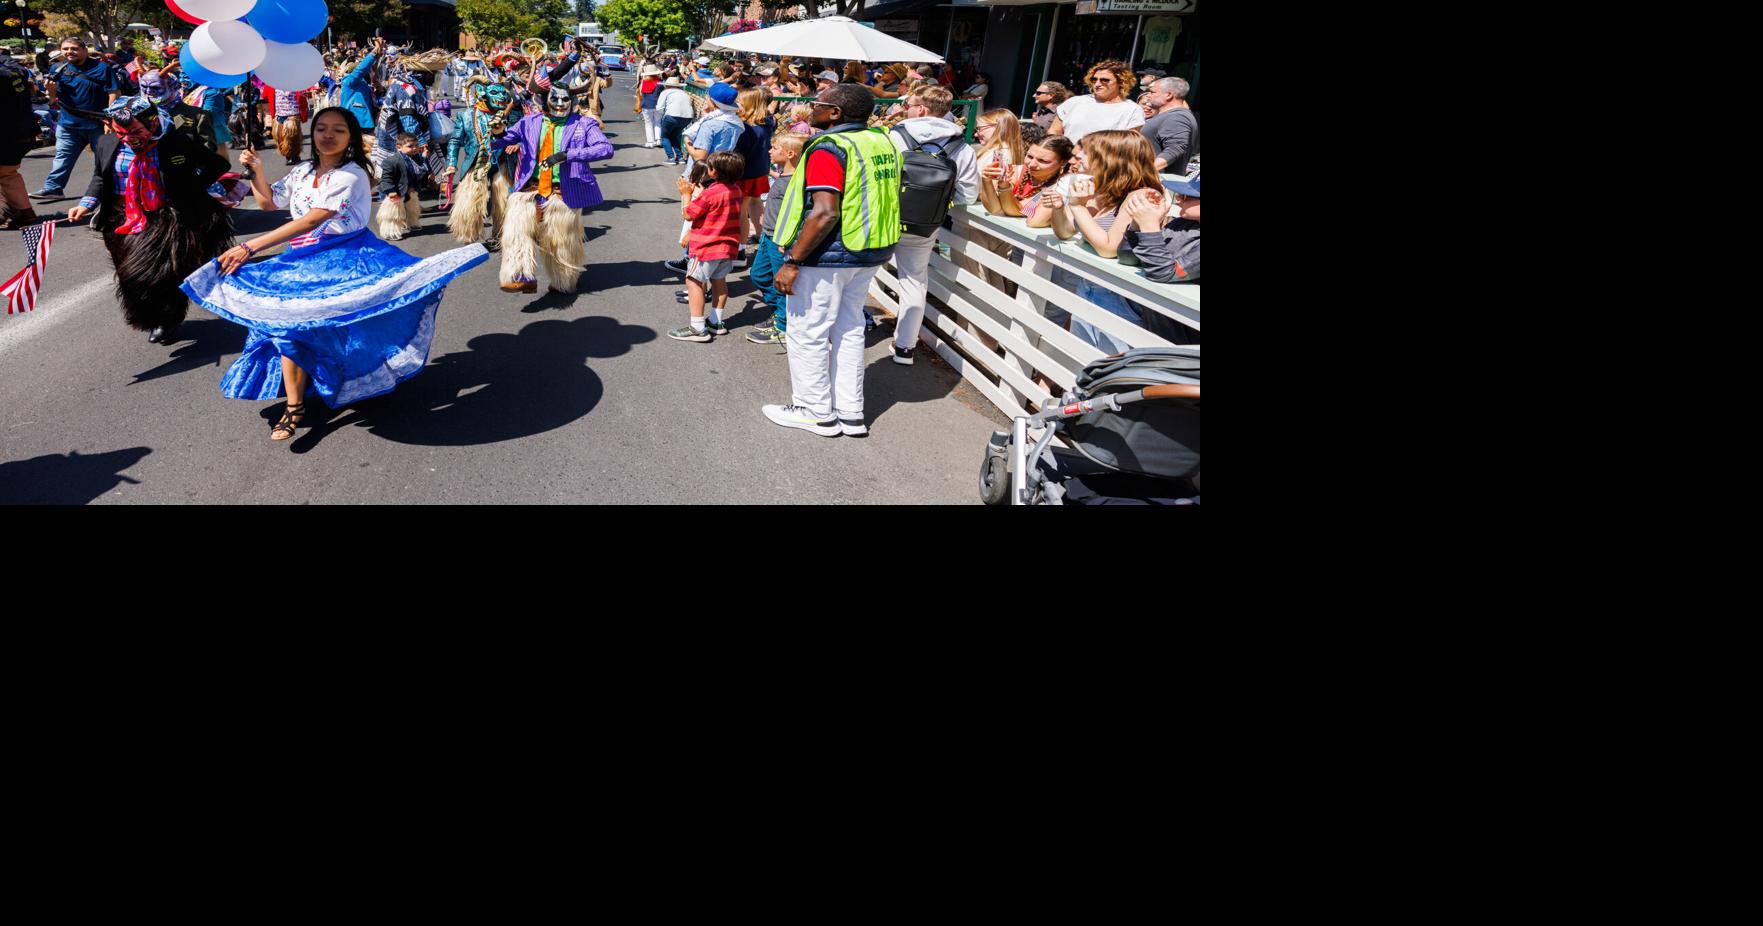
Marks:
<point>227,47</point>
<point>291,67</point>
<point>217,11</point>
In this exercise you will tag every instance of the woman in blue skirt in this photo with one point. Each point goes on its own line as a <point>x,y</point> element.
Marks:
<point>340,312</point>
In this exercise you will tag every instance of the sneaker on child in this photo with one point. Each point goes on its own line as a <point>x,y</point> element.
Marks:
<point>688,333</point>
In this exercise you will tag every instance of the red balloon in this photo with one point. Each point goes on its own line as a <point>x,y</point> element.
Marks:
<point>183,15</point>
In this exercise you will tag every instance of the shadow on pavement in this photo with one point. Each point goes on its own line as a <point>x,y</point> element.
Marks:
<point>66,479</point>
<point>627,203</point>
<point>886,383</point>
<point>600,277</point>
<point>506,386</point>
<point>201,343</point>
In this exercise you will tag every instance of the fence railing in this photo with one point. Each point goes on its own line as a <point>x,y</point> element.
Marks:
<point>1006,345</point>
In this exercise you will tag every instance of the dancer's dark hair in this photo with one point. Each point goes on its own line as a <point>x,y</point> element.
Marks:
<point>356,153</point>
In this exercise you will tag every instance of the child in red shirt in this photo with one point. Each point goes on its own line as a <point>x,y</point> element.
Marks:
<point>715,238</point>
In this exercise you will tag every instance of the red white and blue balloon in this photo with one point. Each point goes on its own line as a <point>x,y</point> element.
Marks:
<point>266,36</point>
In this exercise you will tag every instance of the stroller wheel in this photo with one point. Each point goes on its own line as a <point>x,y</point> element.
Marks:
<point>994,480</point>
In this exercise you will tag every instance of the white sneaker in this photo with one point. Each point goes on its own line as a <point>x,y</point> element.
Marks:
<point>795,416</point>
<point>851,427</point>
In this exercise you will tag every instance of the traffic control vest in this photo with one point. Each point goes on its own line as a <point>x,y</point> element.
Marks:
<point>869,209</point>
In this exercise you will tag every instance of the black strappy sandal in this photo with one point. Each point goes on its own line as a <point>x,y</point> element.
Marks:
<point>291,419</point>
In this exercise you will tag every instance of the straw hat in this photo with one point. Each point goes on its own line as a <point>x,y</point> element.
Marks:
<point>673,81</point>
<point>650,71</point>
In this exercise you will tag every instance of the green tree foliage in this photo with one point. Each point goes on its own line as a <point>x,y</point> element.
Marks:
<point>518,19</point>
<point>356,19</point>
<point>666,22</point>
<point>108,17</point>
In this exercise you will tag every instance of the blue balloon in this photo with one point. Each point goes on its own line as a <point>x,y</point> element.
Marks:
<point>291,22</point>
<point>202,75</point>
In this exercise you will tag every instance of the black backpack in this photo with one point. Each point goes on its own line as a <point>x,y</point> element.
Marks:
<point>927,186</point>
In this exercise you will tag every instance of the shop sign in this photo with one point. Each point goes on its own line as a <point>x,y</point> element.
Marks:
<point>905,30</point>
<point>1085,7</point>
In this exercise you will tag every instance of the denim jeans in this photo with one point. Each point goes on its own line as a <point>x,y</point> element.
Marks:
<point>1115,304</point>
<point>673,142</point>
<point>70,140</point>
<point>766,259</point>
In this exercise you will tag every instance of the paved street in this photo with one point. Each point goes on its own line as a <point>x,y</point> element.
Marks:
<point>526,399</point>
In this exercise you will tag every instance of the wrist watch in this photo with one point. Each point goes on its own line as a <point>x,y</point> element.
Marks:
<point>792,262</point>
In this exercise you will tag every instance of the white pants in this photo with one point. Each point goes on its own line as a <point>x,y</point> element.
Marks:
<point>652,127</point>
<point>826,339</point>
<point>912,260</point>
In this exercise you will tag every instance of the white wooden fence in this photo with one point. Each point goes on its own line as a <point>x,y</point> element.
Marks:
<point>1030,342</point>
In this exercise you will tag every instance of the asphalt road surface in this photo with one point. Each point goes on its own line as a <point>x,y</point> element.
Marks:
<point>526,399</point>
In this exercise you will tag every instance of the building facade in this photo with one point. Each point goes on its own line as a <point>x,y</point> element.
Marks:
<point>1019,43</point>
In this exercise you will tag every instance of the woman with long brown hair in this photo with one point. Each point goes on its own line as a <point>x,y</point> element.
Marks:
<point>1118,162</point>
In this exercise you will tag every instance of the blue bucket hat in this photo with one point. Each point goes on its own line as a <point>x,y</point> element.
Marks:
<point>723,95</point>
<point>1184,187</point>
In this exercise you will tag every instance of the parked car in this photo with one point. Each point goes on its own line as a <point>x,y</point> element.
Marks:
<point>613,57</point>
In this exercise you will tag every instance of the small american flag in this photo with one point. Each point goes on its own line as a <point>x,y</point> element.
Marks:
<point>21,290</point>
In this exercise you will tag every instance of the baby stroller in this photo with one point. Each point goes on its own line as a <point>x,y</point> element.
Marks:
<point>1134,423</point>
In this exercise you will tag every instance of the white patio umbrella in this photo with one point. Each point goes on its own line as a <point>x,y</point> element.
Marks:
<point>827,37</point>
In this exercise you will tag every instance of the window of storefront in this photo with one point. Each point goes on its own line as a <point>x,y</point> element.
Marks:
<point>1167,42</point>
<point>1081,41</point>
<point>967,42</point>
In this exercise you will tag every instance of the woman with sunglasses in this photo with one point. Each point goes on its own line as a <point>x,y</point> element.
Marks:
<point>155,198</point>
<point>1104,107</point>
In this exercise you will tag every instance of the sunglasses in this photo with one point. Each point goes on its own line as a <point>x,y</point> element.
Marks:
<point>819,103</point>
<point>1102,80</point>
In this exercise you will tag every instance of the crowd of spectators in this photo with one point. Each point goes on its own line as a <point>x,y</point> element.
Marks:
<point>1087,166</point>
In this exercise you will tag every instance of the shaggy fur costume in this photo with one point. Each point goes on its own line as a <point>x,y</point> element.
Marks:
<point>289,138</point>
<point>465,218</point>
<point>550,234</point>
<point>397,219</point>
<point>152,264</point>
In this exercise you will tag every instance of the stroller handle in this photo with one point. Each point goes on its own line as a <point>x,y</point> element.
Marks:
<point>1174,391</point>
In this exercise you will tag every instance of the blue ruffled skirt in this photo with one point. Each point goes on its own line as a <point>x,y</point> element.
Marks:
<point>356,313</point>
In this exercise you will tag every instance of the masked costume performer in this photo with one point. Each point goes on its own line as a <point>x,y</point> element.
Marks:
<point>162,89</point>
<point>554,182</point>
<point>405,106</point>
<point>478,165</point>
<point>340,313</point>
<point>155,194</point>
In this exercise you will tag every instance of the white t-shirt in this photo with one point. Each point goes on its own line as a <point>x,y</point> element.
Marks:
<point>345,191</point>
<point>1083,115</point>
<point>676,103</point>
